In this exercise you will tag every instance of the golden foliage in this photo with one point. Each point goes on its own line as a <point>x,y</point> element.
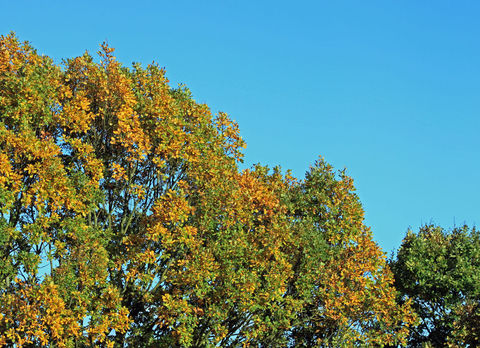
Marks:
<point>124,212</point>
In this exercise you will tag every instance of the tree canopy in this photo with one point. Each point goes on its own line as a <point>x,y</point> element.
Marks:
<point>126,221</point>
<point>439,271</point>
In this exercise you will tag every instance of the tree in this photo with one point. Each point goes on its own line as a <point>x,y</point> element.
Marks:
<point>440,272</point>
<point>339,272</point>
<point>125,220</point>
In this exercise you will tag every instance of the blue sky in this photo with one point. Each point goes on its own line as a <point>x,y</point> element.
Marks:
<point>387,89</point>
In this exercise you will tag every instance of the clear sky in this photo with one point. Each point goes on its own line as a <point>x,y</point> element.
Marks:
<point>387,89</point>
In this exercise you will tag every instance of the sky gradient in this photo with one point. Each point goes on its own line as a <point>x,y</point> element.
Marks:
<point>388,90</point>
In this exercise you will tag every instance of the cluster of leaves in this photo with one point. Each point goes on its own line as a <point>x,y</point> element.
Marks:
<point>439,272</point>
<point>125,220</point>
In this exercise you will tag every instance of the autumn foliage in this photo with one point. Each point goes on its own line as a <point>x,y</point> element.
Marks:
<point>125,220</point>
